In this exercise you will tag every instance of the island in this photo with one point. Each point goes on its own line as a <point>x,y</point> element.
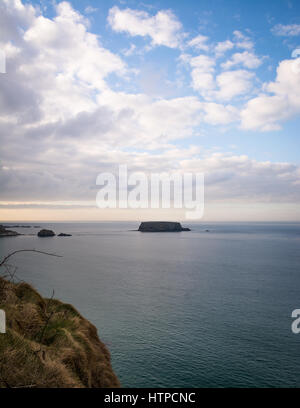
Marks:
<point>161,226</point>
<point>7,233</point>
<point>45,233</point>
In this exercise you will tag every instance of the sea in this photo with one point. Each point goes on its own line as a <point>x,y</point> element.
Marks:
<point>207,308</point>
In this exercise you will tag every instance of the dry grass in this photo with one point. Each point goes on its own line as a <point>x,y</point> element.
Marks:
<point>49,344</point>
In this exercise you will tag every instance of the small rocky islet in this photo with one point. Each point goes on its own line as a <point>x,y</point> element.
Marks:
<point>43,233</point>
<point>161,226</point>
<point>7,233</point>
<point>49,233</point>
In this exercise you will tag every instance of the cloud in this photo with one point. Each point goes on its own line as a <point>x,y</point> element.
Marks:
<point>240,177</point>
<point>64,44</point>
<point>225,86</point>
<point>223,46</point>
<point>202,74</point>
<point>199,43</point>
<point>61,123</point>
<point>290,30</point>
<point>129,51</point>
<point>218,114</point>
<point>14,13</point>
<point>242,41</point>
<point>279,102</point>
<point>90,10</point>
<point>227,177</point>
<point>234,83</point>
<point>203,63</point>
<point>228,84</point>
<point>163,28</point>
<point>151,123</point>
<point>54,66</point>
<point>246,58</point>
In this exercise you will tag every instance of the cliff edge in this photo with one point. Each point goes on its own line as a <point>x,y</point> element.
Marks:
<point>48,344</point>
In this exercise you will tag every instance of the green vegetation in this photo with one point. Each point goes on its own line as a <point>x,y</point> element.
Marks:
<point>49,344</point>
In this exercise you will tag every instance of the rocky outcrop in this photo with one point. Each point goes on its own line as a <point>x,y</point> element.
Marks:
<point>48,344</point>
<point>161,226</point>
<point>62,234</point>
<point>45,233</point>
<point>7,233</point>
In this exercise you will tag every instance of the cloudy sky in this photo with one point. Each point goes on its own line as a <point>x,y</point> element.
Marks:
<point>208,86</point>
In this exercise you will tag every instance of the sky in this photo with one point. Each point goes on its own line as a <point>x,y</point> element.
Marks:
<point>161,86</point>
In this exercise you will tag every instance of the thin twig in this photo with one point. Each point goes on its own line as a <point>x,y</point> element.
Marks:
<point>27,250</point>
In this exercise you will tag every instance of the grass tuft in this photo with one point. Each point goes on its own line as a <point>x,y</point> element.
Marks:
<point>49,344</point>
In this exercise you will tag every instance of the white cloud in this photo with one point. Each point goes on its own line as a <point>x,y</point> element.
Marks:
<point>59,61</point>
<point>129,51</point>
<point>246,58</point>
<point>90,10</point>
<point>225,86</point>
<point>202,81</point>
<point>238,177</point>
<point>151,122</point>
<point>290,30</point>
<point>223,46</point>
<point>217,114</point>
<point>242,41</point>
<point>61,124</point>
<point>199,42</point>
<point>280,101</point>
<point>202,74</point>
<point>234,83</point>
<point>203,62</point>
<point>163,28</point>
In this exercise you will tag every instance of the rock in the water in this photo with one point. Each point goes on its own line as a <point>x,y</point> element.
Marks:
<point>62,234</point>
<point>45,233</point>
<point>161,226</point>
<point>7,233</point>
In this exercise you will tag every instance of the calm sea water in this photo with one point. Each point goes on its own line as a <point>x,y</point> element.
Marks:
<point>189,309</point>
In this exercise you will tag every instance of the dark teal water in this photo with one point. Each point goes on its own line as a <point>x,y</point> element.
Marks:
<point>190,309</point>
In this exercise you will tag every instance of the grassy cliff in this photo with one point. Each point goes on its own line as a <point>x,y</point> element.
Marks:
<point>49,344</point>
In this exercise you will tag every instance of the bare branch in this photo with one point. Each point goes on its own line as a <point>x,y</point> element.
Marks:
<point>26,250</point>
